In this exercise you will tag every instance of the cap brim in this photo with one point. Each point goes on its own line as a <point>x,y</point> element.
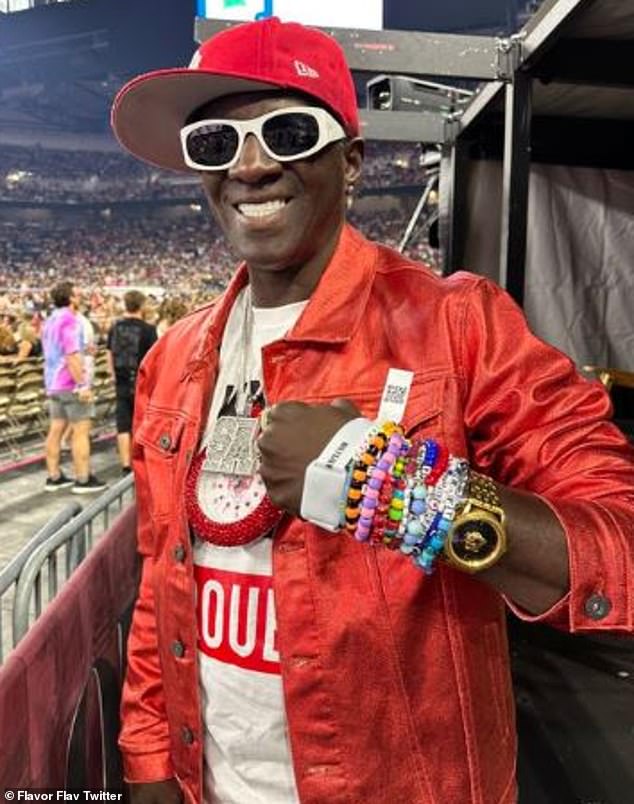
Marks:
<point>149,111</point>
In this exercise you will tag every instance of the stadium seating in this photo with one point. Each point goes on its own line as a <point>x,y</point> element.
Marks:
<point>23,403</point>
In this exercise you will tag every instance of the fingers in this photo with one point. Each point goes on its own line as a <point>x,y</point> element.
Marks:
<point>346,407</point>
<point>264,419</point>
<point>284,410</point>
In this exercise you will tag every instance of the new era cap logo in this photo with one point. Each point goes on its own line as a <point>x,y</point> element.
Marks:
<point>304,70</point>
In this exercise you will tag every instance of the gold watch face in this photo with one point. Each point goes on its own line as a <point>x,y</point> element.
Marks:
<point>476,541</point>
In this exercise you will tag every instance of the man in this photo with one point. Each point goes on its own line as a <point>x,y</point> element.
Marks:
<point>129,340</point>
<point>68,386</point>
<point>273,660</point>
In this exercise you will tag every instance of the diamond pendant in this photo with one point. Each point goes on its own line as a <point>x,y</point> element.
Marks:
<point>231,448</point>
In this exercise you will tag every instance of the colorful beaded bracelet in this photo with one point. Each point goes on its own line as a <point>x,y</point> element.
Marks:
<point>370,501</point>
<point>373,447</point>
<point>434,505</point>
<point>403,494</point>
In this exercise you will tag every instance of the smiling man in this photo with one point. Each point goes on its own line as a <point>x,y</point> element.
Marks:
<point>282,216</point>
<point>273,659</point>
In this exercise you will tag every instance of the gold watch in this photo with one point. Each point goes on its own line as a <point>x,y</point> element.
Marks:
<point>477,537</point>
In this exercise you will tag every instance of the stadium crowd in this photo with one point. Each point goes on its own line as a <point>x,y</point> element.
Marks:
<point>44,175</point>
<point>185,260</point>
<point>180,262</point>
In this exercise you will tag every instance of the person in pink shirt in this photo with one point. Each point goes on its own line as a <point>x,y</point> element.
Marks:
<point>69,393</point>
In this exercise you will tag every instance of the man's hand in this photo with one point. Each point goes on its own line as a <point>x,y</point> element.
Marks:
<point>294,435</point>
<point>85,395</point>
<point>167,792</point>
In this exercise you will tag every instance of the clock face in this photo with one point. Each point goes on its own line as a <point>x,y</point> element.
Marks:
<point>229,498</point>
<point>228,510</point>
<point>476,541</point>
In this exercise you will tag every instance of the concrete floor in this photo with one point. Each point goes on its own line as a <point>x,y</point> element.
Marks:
<point>25,507</point>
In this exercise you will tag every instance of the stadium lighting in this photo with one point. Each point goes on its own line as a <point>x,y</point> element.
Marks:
<point>14,177</point>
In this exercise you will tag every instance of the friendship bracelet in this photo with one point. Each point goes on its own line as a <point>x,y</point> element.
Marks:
<point>444,498</point>
<point>370,452</point>
<point>417,501</point>
<point>370,500</point>
<point>402,494</point>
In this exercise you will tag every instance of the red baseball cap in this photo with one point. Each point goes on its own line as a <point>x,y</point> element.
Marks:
<point>150,110</point>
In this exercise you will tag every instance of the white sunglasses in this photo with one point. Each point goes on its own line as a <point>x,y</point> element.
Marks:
<point>285,134</point>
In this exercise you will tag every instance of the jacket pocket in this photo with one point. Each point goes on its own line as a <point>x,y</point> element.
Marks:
<point>423,414</point>
<point>424,403</point>
<point>157,441</point>
<point>161,431</point>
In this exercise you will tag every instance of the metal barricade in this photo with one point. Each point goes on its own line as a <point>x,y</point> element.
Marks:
<point>60,686</point>
<point>73,540</point>
<point>10,574</point>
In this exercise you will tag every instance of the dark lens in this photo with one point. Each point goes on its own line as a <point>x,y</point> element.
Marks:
<point>212,145</point>
<point>291,134</point>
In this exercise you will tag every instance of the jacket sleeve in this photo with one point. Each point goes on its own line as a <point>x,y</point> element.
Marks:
<point>144,737</point>
<point>534,423</point>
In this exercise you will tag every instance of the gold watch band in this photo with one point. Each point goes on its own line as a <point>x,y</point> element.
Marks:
<point>484,493</point>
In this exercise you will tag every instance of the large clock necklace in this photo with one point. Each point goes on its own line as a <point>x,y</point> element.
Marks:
<point>225,497</point>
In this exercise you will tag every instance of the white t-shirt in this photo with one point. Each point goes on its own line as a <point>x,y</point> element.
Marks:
<point>246,748</point>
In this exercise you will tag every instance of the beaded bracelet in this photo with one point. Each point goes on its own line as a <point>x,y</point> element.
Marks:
<point>422,460</point>
<point>449,492</point>
<point>380,518</point>
<point>375,444</point>
<point>441,501</point>
<point>403,494</point>
<point>370,501</point>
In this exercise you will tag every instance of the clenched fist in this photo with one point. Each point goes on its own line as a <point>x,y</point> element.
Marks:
<point>293,436</point>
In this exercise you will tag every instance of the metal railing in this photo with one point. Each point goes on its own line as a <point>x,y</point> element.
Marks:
<point>71,663</point>
<point>43,572</point>
<point>10,574</point>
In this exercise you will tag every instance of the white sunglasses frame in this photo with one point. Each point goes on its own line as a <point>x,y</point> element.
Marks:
<point>330,130</point>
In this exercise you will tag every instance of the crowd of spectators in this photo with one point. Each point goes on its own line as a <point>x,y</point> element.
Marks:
<point>45,175</point>
<point>392,165</point>
<point>180,262</point>
<point>183,254</point>
<point>22,316</point>
<point>388,228</point>
<point>38,174</point>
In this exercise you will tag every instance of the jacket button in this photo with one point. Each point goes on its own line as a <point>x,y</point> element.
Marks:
<point>187,735</point>
<point>178,649</point>
<point>597,607</point>
<point>179,553</point>
<point>165,442</point>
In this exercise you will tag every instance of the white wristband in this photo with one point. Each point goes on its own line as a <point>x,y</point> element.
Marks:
<point>325,477</point>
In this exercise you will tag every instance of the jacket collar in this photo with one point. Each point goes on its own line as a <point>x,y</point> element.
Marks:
<point>338,303</point>
<point>336,306</point>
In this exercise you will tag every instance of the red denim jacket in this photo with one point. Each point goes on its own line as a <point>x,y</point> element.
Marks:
<point>397,685</point>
